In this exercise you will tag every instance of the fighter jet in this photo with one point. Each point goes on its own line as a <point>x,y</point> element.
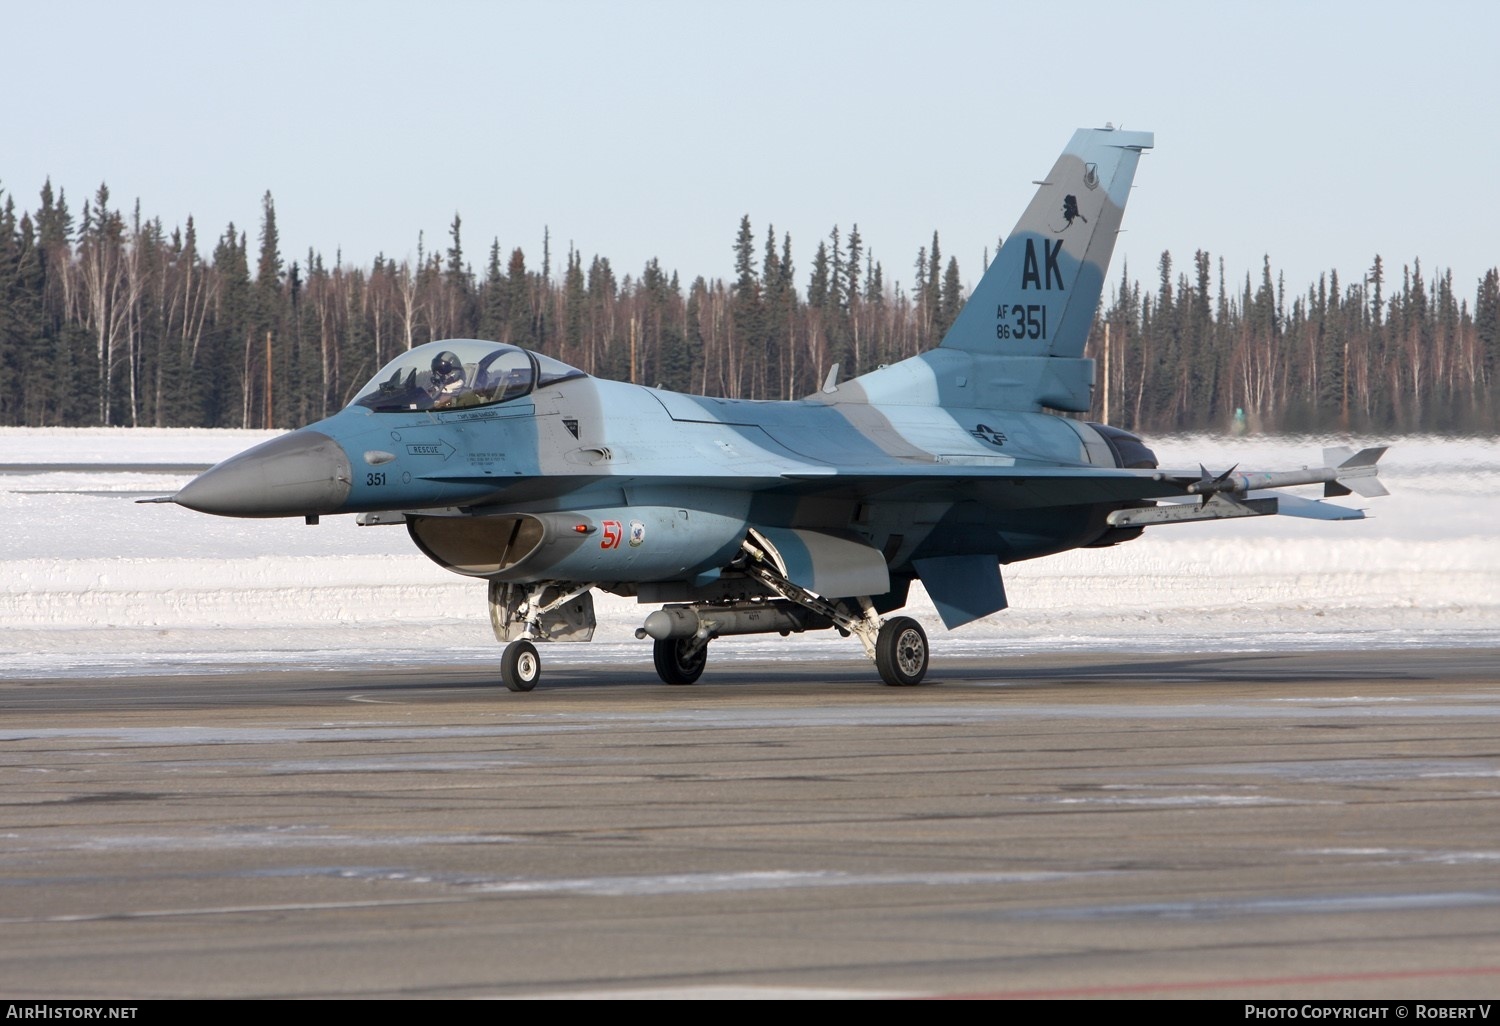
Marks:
<point>742,517</point>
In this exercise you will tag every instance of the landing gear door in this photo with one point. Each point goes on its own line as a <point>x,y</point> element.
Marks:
<point>511,607</point>
<point>828,563</point>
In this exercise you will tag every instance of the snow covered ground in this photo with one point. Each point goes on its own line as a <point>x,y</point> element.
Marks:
<point>91,580</point>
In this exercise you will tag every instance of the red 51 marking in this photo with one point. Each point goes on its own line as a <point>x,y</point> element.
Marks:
<point>612,534</point>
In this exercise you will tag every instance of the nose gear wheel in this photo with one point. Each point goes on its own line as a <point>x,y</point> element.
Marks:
<point>520,666</point>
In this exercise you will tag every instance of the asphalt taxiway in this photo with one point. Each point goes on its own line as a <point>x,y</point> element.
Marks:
<point>1255,826</point>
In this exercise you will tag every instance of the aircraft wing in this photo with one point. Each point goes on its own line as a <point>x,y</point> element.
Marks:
<point>1017,486</point>
<point>1010,485</point>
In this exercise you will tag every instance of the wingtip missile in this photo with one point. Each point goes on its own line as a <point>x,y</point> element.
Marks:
<point>1344,471</point>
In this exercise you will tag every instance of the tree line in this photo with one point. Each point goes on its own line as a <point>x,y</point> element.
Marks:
<point>109,319</point>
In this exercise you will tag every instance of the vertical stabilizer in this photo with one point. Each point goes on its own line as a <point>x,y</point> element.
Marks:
<point>1040,292</point>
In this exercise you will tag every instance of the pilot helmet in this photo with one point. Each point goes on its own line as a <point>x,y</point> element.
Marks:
<point>446,367</point>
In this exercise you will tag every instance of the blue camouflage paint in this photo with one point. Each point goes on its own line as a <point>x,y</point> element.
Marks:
<point>513,467</point>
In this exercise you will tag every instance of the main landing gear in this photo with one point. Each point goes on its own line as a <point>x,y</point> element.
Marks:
<point>897,647</point>
<point>680,660</point>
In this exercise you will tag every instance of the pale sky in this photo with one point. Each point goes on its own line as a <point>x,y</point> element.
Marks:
<point>1316,133</point>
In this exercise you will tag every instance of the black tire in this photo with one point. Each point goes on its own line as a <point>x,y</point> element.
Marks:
<point>901,652</point>
<point>674,665</point>
<point>520,666</point>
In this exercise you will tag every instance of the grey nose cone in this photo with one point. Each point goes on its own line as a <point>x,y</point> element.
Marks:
<point>300,474</point>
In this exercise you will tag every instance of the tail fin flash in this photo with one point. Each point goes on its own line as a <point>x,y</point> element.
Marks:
<point>1038,296</point>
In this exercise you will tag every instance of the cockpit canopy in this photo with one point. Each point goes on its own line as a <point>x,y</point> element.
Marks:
<point>460,373</point>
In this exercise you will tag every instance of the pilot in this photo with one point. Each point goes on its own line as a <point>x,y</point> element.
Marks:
<point>447,381</point>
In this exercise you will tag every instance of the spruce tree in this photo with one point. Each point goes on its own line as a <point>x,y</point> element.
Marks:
<point>575,308</point>
<point>952,299</point>
<point>1487,330</point>
<point>494,297</point>
<point>932,293</point>
<point>818,283</point>
<point>746,312</point>
<point>520,322</point>
<point>268,355</point>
